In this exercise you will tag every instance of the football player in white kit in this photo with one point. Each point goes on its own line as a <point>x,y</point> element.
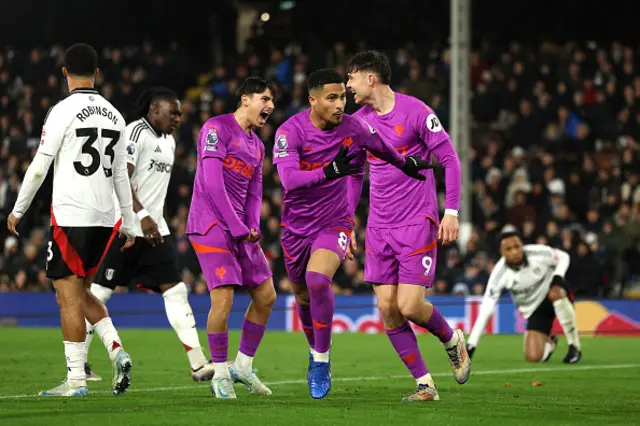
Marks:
<point>84,135</point>
<point>534,275</point>
<point>153,262</point>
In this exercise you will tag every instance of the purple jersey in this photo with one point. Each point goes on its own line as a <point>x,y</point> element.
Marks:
<point>241,155</point>
<point>412,128</point>
<point>318,203</point>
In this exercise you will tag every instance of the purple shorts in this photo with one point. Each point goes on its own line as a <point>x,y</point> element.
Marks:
<point>297,250</point>
<point>228,262</point>
<point>403,255</point>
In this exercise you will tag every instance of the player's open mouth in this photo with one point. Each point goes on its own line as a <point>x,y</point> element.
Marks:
<point>265,115</point>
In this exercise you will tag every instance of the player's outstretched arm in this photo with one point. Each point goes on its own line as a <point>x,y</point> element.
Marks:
<point>214,180</point>
<point>489,302</point>
<point>253,206</point>
<point>411,165</point>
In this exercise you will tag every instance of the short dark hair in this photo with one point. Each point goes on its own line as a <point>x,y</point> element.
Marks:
<point>252,85</point>
<point>508,234</point>
<point>81,59</point>
<point>149,96</point>
<point>374,61</point>
<point>318,79</point>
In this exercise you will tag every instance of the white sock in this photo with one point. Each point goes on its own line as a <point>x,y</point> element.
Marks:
<point>244,362</point>
<point>453,342</point>
<point>567,318</point>
<point>549,347</point>
<point>180,316</point>
<point>102,293</point>
<point>425,380</point>
<point>75,354</point>
<point>221,370</point>
<point>88,338</point>
<point>321,356</point>
<point>109,336</point>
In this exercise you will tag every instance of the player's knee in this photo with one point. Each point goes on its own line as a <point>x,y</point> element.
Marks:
<point>409,308</point>
<point>302,295</point>
<point>557,293</point>
<point>267,297</point>
<point>533,357</point>
<point>388,308</point>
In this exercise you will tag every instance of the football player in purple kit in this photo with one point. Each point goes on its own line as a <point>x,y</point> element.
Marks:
<point>224,229</point>
<point>311,154</point>
<point>402,229</point>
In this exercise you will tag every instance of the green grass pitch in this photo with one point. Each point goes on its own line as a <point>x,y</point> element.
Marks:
<point>369,383</point>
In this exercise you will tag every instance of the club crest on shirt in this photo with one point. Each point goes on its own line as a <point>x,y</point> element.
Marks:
<point>433,124</point>
<point>281,147</point>
<point>212,140</point>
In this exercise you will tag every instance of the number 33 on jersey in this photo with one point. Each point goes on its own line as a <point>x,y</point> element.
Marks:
<point>83,133</point>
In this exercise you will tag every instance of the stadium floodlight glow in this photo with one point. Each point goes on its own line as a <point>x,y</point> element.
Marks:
<point>287,5</point>
<point>265,17</point>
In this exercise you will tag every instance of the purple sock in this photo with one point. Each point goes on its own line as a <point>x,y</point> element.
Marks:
<point>322,307</point>
<point>252,334</point>
<point>218,345</point>
<point>304,313</point>
<point>438,326</point>
<point>405,343</point>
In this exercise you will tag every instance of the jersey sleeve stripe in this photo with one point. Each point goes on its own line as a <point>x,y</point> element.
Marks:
<point>137,130</point>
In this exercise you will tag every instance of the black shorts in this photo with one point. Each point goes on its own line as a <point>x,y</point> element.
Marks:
<point>542,318</point>
<point>150,266</point>
<point>76,250</point>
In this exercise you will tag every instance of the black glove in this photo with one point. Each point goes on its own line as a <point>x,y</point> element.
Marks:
<point>413,165</point>
<point>470,350</point>
<point>340,165</point>
<point>559,281</point>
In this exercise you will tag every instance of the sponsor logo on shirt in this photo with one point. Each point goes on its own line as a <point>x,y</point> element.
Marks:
<point>308,166</point>
<point>281,147</point>
<point>433,124</point>
<point>239,167</point>
<point>160,166</point>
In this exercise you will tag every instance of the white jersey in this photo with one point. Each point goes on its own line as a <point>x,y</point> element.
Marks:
<point>528,285</point>
<point>83,133</point>
<point>152,155</point>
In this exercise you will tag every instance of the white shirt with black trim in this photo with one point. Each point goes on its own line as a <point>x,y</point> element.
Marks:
<point>528,285</point>
<point>83,136</point>
<point>153,156</point>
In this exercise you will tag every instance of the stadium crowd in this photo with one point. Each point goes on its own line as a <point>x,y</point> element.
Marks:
<point>556,141</point>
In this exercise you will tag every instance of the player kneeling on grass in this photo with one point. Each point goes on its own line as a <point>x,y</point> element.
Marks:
<point>534,275</point>
<point>224,229</point>
<point>153,262</point>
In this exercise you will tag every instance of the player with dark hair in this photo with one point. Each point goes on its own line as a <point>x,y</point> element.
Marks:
<point>83,135</point>
<point>403,228</point>
<point>224,229</point>
<point>153,260</point>
<point>312,154</point>
<point>534,276</point>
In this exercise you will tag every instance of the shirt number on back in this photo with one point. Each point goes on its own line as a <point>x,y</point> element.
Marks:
<point>343,240</point>
<point>426,264</point>
<point>91,133</point>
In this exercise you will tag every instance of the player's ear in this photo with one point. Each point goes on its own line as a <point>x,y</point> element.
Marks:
<point>96,73</point>
<point>65,72</point>
<point>371,78</point>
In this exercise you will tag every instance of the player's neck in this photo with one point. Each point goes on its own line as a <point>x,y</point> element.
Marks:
<point>319,123</point>
<point>243,121</point>
<point>383,99</point>
<point>75,83</point>
<point>153,126</point>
